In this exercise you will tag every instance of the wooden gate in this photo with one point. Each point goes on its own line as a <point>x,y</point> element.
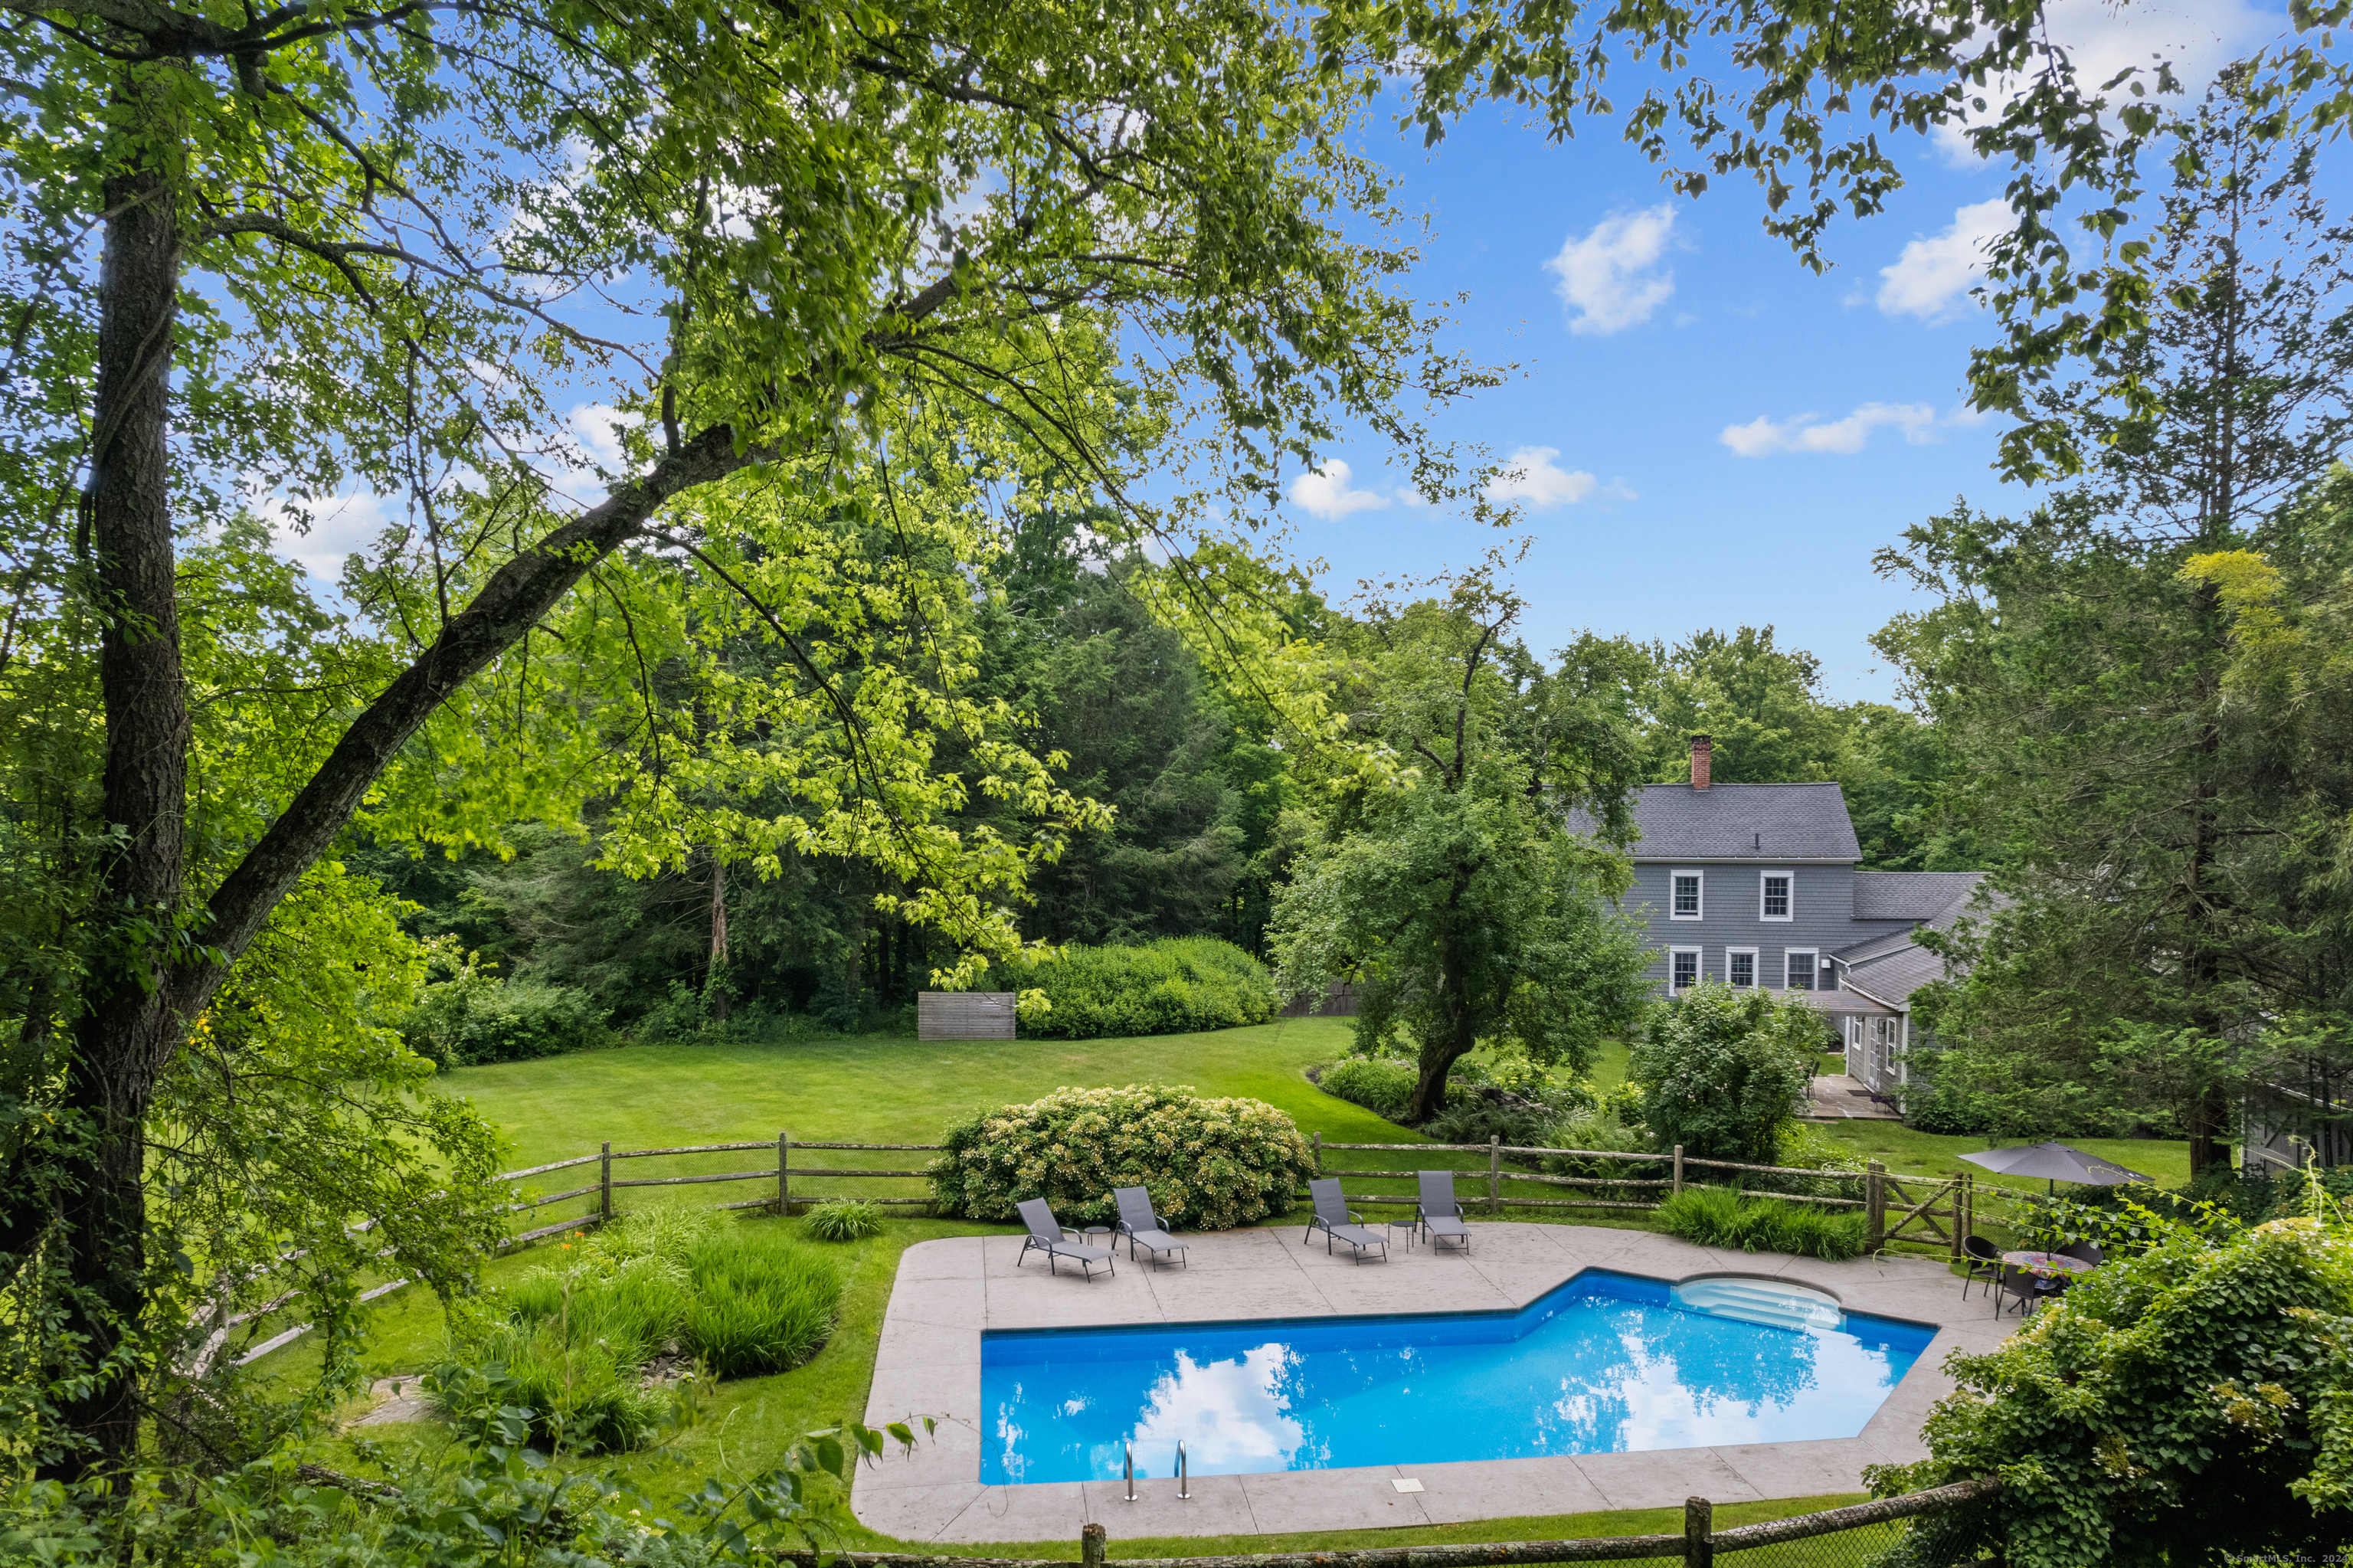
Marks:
<point>1923,1210</point>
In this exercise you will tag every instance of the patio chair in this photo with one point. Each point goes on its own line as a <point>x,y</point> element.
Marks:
<point>1984,1261</point>
<point>2023,1283</point>
<point>1338,1224</point>
<point>1053,1238</point>
<point>1141,1227</point>
<point>1437,1215</point>
<point>2083,1251</point>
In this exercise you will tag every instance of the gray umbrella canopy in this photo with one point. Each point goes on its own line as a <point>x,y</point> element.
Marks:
<point>2055,1163</point>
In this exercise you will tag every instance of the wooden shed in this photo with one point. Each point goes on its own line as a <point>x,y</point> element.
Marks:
<point>964,1015</point>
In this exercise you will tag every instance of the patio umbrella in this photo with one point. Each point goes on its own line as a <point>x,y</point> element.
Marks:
<point>2056,1163</point>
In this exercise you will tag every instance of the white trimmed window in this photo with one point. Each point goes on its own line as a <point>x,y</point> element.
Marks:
<point>1683,968</point>
<point>1776,895</point>
<point>1740,968</point>
<point>1800,970</point>
<point>1686,893</point>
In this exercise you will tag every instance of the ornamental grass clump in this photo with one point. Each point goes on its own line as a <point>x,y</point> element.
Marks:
<point>843,1220</point>
<point>1722,1217</point>
<point>1209,1164</point>
<point>580,1338</point>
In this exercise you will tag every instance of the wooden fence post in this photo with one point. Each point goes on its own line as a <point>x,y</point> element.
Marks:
<point>604,1185</point>
<point>1319,1154</point>
<point>1874,1206</point>
<point>1092,1541</point>
<point>1699,1525</point>
<point>1496,1174</point>
<point>1679,1167</point>
<point>784,1176</point>
<point>1960,1215</point>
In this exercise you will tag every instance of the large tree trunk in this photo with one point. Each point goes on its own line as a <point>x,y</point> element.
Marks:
<point>126,1032</point>
<point>715,982</point>
<point>1439,1055</point>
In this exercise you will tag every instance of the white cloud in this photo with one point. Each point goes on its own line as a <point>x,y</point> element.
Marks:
<point>1323,493</point>
<point>595,431</point>
<point>1763,436</point>
<point>340,526</point>
<point>2197,37</point>
<point>1609,276</point>
<point>1933,276</point>
<point>1531,475</point>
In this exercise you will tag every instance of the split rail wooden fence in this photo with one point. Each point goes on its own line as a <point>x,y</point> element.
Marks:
<point>1856,1536</point>
<point>1910,1210</point>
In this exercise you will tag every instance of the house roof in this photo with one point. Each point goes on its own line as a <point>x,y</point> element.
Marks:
<point>1838,1004</point>
<point>1893,966</point>
<point>1894,977</point>
<point>1761,822</point>
<point>1934,897</point>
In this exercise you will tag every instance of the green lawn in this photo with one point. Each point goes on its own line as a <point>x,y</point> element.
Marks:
<point>887,1090</point>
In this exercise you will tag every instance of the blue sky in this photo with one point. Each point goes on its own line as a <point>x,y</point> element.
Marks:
<point>1713,435</point>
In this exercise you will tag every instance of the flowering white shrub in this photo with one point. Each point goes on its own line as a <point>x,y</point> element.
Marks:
<point>1208,1164</point>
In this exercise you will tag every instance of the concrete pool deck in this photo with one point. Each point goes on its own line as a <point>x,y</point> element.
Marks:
<point>948,1291</point>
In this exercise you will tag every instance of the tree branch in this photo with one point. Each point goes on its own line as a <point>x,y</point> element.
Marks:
<point>513,601</point>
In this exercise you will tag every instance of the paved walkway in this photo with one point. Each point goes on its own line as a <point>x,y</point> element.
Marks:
<point>1834,1096</point>
<point>949,1291</point>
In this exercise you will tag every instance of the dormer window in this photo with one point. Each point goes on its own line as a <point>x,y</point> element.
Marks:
<point>1687,898</point>
<point>1777,901</point>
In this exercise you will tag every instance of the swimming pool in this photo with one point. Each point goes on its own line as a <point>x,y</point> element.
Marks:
<point>1604,1363</point>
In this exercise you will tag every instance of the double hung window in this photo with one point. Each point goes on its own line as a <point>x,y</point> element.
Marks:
<point>1740,968</point>
<point>1686,903</point>
<point>1775,896</point>
<point>1799,974</point>
<point>1683,968</point>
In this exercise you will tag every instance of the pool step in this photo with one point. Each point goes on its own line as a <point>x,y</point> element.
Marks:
<point>1761,1302</point>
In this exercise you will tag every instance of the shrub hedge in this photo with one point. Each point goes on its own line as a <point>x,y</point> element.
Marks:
<point>1382,1085</point>
<point>1174,986</point>
<point>475,1017</point>
<point>1208,1164</point>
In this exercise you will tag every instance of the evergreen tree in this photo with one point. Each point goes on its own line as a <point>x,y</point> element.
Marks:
<point>2077,669</point>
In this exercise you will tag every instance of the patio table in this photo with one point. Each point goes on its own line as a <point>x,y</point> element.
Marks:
<point>2050,1264</point>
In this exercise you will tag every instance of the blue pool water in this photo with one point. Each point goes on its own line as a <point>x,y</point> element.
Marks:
<point>1605,1364</point>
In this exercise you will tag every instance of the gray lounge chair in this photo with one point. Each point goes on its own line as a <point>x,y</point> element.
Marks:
<point>1334,1219</point>
<point>1053,1238</point>
<point>1438,1214</point>
<point>1141,1227</point>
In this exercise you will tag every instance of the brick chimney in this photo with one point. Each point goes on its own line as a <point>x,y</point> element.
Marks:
<point>1700,752</point>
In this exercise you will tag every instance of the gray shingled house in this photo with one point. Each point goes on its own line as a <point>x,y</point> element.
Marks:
<point>1755,884</point>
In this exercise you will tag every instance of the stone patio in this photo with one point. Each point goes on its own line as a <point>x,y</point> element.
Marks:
<point>1834,1096</point>
<point>948,1291</point>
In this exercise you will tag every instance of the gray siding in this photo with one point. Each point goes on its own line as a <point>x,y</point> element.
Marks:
<point>1823,917</point>
<point>1875,1049</point>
